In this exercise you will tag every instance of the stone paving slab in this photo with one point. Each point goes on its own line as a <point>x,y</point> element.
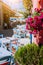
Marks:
<point>7,33</point>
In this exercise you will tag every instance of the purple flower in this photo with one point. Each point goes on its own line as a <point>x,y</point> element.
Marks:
<point>41,17</point>
<point>35,23</point>
<point>26,20</point>
<point>34,31</point>
<point>35,18</point>
<point>37,10</point>
<point>31,19</point>
<point>27,26</point>
<point>41,13</point>
<point>42,25</point>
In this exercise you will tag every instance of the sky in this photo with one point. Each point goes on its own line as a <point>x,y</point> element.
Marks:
<point>15,4</point>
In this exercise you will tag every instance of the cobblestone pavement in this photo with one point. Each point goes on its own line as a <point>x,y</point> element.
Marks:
<point>7,33</point>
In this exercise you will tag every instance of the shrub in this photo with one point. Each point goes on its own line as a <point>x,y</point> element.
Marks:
<point>41,56</point>
<point>29,55</point>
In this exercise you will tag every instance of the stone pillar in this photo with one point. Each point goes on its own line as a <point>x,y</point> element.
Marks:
<point>1,16</point>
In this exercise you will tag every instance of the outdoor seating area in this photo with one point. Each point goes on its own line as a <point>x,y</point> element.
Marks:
<point>18,39</point>
<point>21,32</point>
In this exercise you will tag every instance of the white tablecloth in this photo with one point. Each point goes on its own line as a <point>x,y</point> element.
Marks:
<point>24,41</point>
<point>4,52</point>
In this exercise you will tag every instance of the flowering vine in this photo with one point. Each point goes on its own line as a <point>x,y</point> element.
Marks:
<point>35,23</point>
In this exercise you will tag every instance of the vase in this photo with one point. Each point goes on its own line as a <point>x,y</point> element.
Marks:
<point>39,37</point>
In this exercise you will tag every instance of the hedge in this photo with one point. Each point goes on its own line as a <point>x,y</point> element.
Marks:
<point>29,55</point>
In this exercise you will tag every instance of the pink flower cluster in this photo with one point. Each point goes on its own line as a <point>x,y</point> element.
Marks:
<point>35,23</point>
<point>38,10</point>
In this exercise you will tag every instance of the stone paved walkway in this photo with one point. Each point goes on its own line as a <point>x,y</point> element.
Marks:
<point>7,33</point>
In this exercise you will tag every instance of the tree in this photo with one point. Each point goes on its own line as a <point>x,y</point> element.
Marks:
<point>25,14</point>
<point>27,4</point>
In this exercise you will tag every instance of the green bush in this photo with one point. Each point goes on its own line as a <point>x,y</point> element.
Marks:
<point>41,56</point>
<point>29,55</point>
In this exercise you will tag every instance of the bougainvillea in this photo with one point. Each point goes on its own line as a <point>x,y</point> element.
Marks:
<point>35,23</point>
